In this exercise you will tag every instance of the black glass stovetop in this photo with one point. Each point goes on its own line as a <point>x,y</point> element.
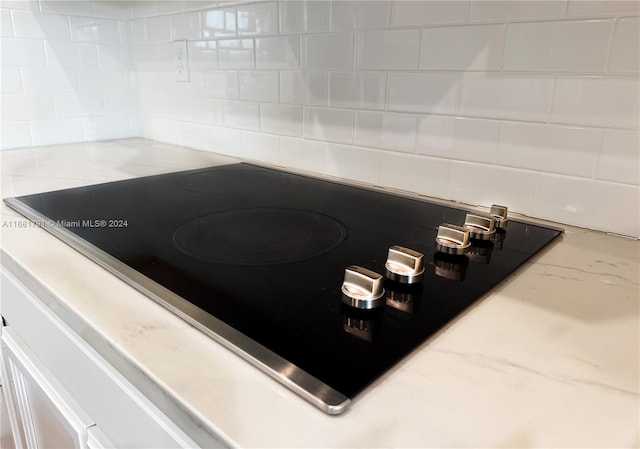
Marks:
<point>264,252</point>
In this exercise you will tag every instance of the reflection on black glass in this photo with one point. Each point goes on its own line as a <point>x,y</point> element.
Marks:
<point>480,251</point>
<point>403,297</point>
<point>363,324</point>
<point>451,266</point>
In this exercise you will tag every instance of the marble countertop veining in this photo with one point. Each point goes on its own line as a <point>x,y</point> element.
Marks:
<point>550,358</point>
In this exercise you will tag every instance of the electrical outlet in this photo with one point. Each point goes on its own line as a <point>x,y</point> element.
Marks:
<point>181,59</point>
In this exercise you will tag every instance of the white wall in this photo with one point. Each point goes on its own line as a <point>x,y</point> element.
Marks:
<point>65,72</point>
<point>533,104</point>
<point>530,104</point>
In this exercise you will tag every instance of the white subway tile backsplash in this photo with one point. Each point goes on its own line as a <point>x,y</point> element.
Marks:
<point>101,80</point>
<point>329,125</point>
<point>198,110</point>
<point>282,119</point>
<point>226,140</point>
<point>102,128</point>
<point>419,174</point>
<point>21,4</point>
<point>363,90</point>
<point>219,23</point>
<point>86,29</point>
<point>258,18</point>
<point>137,31</point>
<point>241,114</point>
<point>551,148</point>
<point>48,80</point>
<point>69,8</point>
<point>195,135</point>
<point>6,25</point>
<point>72,54</point>
<point>142,8</point>
<point>428,12</point>
<point>235,54</point>
<point>620,157</point>
<point>477,47</point>
<point>459,138</point>
<point>303,154</point>
<point>118,104</point>
<point>113,56</point>
<point>51,132</point>
<point>625,52</point>
<point>27,107</point>
<point>484,185</point>
<point>506,96</point>
<point>22,53</point>
<point>594,8</point>
<point>309,88</point>
<point>489,77</point>
<point>259,86</point>
<point>190,5</point>
<point>158,29</point>
<point>387,131</point>
<point>186,26</point>
<point>30,25</point>
<point>359,164</point>
<point>593,204</point>
<point>597,101</point>
<point>11,80</point>
<point>203,55</point>
<point>431,93</point>
<point>328,51</point>
<point>388,50</point>
<point>558,46</point>
<point>169,6</point>
<point>15,135</point>
<point>304,16</point>
<point>162,129</point>
<point>223,84</point>
<point>500,11</point>
<point>112,10</point>
<point>360,14</point>
<point>261,147</point>
<point>281,52</point>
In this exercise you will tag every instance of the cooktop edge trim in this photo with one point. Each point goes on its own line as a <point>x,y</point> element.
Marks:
<point>291,376</point>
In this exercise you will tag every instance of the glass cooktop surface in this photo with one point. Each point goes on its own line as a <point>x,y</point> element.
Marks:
<point>262,253</point>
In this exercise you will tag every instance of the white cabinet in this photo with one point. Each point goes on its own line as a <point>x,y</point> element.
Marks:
<point>42,414</point>
<point>62,393</point>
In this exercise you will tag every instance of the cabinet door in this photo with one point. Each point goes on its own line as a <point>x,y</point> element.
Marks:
<point>97,439</point>
<point>49,416</point>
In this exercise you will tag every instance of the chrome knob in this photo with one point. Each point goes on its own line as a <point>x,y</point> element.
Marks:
<point>362,288</point>
<point>404,265</point>
<point>499,214</point>
<point>481,227</point>
<point>452,239</point>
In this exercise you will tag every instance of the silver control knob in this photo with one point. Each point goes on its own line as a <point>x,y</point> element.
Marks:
<point>404,265</point>
<point>452,239</point>
<point>481,227</point>
<point>499,214</point>
<point>362,288</point>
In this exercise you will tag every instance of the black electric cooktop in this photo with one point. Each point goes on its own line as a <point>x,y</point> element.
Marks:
<point>255,257</point>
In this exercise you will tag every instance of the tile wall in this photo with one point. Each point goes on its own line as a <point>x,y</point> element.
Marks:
<point>65,72</point>
<point>533,104</point>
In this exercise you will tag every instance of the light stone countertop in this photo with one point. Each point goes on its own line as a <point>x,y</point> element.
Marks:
<point>550,358</point>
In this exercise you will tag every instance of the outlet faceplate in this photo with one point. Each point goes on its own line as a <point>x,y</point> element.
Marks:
<point>181,61</point>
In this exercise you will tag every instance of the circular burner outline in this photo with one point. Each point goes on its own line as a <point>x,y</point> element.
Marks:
<point>329,225</point>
